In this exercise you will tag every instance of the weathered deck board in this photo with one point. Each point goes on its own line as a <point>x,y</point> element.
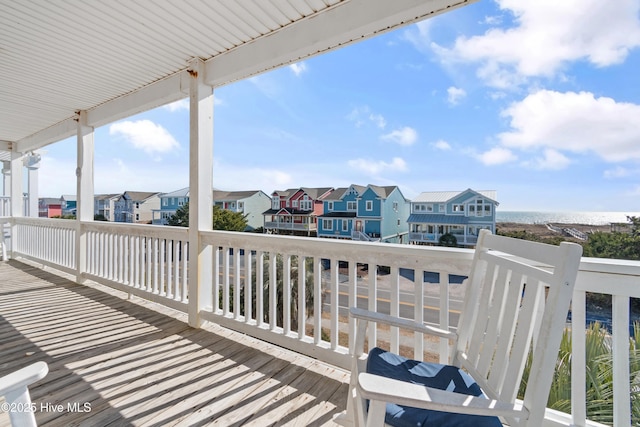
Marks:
<point>140,364</point>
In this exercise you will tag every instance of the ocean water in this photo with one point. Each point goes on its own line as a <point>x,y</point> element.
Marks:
<point>588,218</point>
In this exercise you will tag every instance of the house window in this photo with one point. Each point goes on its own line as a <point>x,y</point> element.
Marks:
<point>458,208</point>
<point>275,204</point>
<point>369,205</point>
<point>137,205</point>
<point>165,202</point>
<point>240,206</point>
<point>305,205</point>
<point>330,206</point>
<point>294,204</point>
<point>441,208</point>
<point>137,217</point>
<point>351,206</point>
<point>345,225</point>
<point>327,224</point>
<point>395,206</point>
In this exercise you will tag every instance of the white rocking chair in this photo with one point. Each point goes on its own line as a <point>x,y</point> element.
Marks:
<point>517,298</point>
<point>14,387</point>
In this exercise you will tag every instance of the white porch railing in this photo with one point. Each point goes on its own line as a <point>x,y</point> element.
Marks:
<point>151,262</point>
<point>290,225</point>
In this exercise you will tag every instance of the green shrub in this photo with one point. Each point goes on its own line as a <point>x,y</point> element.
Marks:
<point>599,370</point>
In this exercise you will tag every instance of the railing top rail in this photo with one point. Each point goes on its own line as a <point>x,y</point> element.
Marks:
<point>456,260</point>
<point>148,230</point>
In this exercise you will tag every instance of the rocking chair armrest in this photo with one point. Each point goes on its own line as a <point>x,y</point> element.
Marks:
<point>22,378</point>
<point>382,389</point>
<point>411,325</point>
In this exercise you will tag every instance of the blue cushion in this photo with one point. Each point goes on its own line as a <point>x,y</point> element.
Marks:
<point>434,375</point>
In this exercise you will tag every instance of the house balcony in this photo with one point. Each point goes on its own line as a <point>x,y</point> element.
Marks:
<point>119,341</point>
<point>296,226</point>
<point>462,239</point>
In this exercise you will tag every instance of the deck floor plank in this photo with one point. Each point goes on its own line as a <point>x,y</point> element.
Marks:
<point>139,364</point>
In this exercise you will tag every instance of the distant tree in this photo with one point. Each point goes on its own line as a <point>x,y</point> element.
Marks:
<point>227,220</point>
<point>181,217</point>
<point>222,219</point>
<point>619,245</point>
<point>68,216</point>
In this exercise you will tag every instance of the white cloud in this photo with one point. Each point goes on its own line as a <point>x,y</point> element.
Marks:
<point>180,105</point>
<point>552,160</point>
<point>548,35</point>
<point>574,122</point>
<point>373,167</point>
<point>236,177</point>
<point>378,120</point>
<point>620,172</point>
<point>455,95</point>
<point>497,156</point>
<point>403,136</point>
<point>363,114</point>
<point>298,68</point>
<point>442,145</point>
<point>145,135</point>
<point>418,35</point>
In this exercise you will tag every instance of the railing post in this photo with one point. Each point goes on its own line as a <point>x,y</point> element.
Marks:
<point>84,179</point>
<point>201,187</point>
<point>17,201</point>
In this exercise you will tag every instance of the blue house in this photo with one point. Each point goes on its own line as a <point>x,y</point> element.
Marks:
<point>370,213</point>
<point>169,204</point>
<point>249,203</point>
<point>461,214</point>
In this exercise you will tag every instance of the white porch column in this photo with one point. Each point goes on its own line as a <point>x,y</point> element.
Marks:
<point>200,188</point>
<point>32,163</point>
<point>17,196</point>
<point>5,210</point>
<point>6,178</point>
<point>84,195</point>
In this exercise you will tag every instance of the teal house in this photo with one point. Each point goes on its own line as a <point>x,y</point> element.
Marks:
<point>460,215</point>
<point>369,213</point>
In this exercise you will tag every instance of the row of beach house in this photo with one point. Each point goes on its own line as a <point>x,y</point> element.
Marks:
<point>357,212</point>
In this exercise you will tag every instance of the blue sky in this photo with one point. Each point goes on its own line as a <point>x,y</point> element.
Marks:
<point>539,101</point>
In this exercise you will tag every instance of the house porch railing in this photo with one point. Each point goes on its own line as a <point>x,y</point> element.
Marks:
<point>420,237</point>
<point>291,225</point>
<point>151,262</point>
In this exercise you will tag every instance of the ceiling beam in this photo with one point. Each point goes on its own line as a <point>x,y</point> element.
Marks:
<point>345,23</point>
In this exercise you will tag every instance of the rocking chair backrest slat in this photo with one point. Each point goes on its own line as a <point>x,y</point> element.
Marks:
<point>511,285</point>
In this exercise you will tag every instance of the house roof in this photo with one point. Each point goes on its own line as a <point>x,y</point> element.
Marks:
<point>445,196</point>
<point>93,66</point>
<point>383,192</point>
<point>336,194</point>
<point>105,196</point>
<point>183,192</point>
<point>233,195</point>
<point>140,196</point>
<point>47,201</point>
<point>317,193</point>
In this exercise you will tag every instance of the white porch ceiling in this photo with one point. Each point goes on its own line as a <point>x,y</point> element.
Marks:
<point>119,57</point>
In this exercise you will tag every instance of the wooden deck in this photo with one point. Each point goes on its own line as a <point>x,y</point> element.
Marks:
<point>132,363</point>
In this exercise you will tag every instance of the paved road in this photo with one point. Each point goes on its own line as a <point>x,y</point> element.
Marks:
<point>431,304</point>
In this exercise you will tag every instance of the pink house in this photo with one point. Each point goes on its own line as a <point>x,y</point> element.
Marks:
<point>295,211</point>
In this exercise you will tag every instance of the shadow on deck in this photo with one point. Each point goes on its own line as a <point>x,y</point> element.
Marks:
<point>115,362</point>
